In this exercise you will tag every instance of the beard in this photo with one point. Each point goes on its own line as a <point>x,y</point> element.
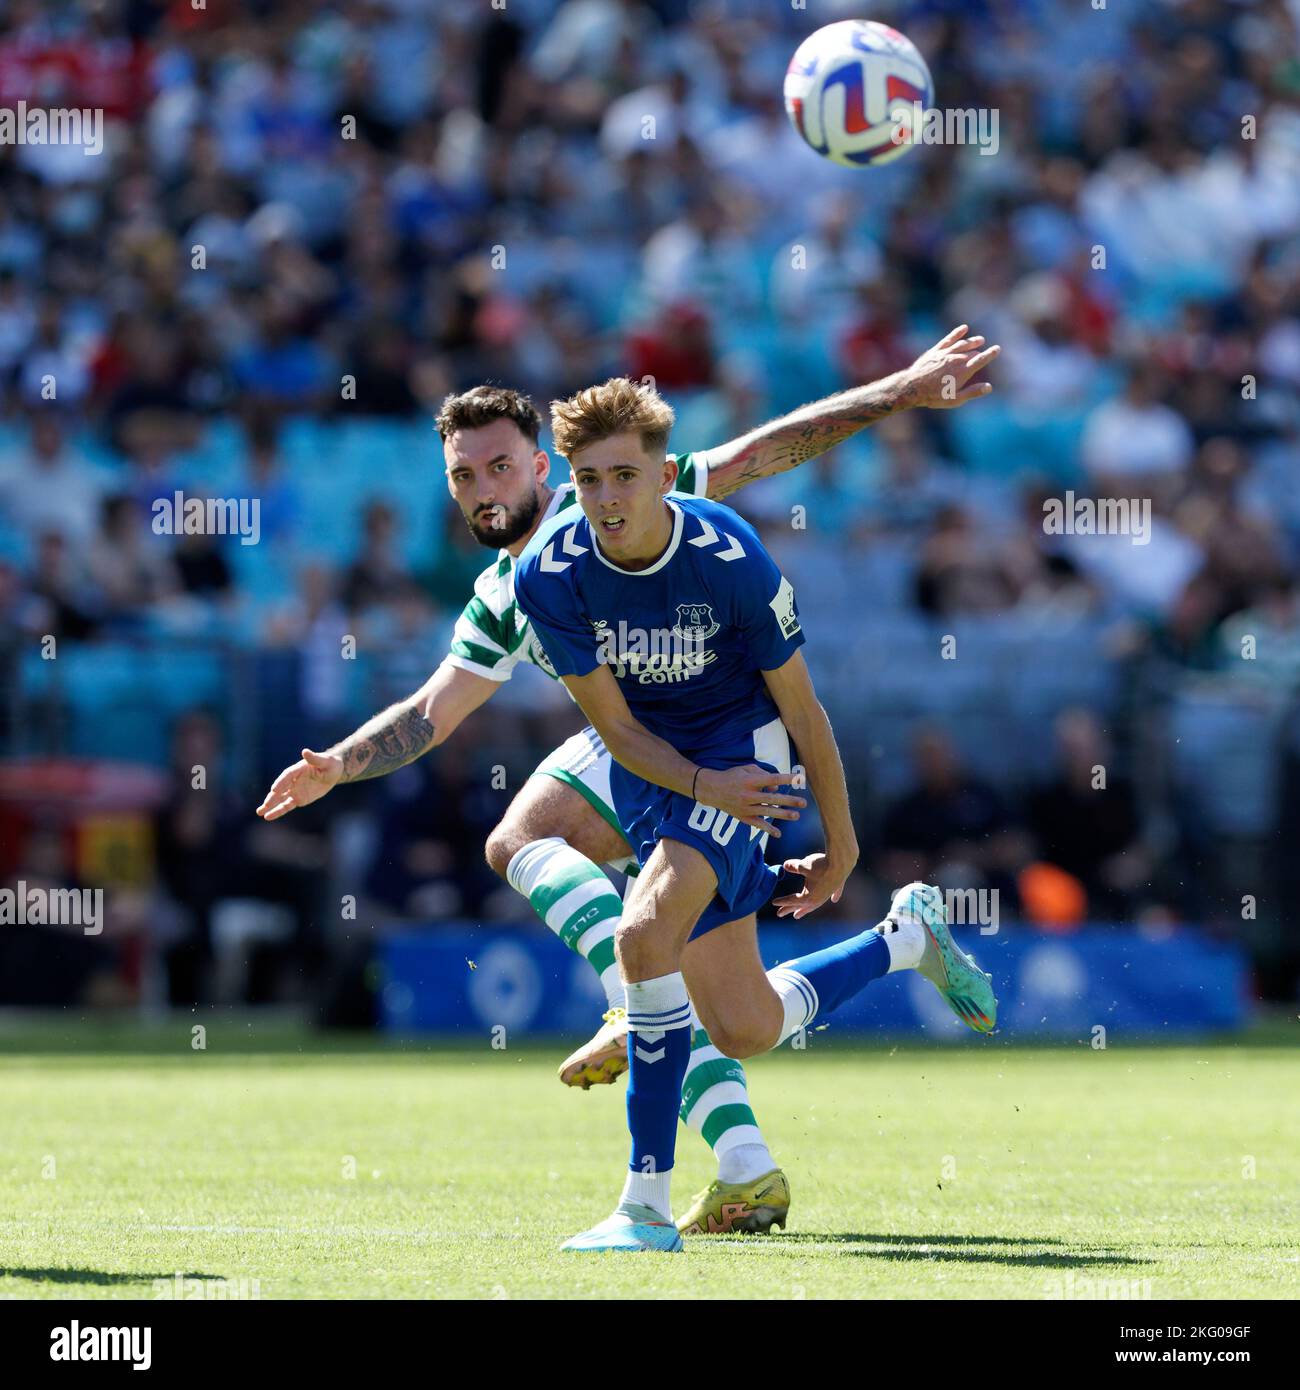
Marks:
<point>498,529</point>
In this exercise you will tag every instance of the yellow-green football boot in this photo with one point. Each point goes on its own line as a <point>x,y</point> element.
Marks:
<point>602,1060</point>
<point>746,1206</point>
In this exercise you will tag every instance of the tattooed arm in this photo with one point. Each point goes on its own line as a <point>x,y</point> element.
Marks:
<point>940,378</point>
<point>381,745</point>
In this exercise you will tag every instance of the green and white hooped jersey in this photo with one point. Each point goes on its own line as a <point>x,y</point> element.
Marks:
<point>492,633</point>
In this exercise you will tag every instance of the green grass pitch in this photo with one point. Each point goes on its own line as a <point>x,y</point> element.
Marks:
<point>359,1170</point>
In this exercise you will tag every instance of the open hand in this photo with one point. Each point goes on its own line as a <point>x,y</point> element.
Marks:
<point>305,781</point>
<point>823,882</point>
<point>941,377</point>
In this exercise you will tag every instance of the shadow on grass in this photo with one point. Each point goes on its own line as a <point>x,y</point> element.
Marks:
<point>91,1276</point>
<point>967,1249</point>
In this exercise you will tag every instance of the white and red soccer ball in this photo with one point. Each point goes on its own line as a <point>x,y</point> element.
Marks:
<point>853,90</point>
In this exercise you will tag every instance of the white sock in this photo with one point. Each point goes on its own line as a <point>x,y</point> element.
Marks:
<point>744,1163</point>
<point>798,1000</point>
<point>648,1190</point>
<point>906,944</point>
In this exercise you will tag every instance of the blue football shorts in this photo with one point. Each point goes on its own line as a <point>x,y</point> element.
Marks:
<point>649,813</point>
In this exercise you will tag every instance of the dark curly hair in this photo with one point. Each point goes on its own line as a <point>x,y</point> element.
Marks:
<point>480,405</point>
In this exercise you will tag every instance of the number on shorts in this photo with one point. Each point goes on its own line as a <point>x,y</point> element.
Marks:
<point>705,817</point>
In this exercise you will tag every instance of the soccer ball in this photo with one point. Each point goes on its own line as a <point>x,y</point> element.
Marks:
<point>852,91</point>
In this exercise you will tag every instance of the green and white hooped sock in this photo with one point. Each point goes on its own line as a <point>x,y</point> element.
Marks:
<point>715,1104</point>
<point>580,904</point>
<point>577,900</point>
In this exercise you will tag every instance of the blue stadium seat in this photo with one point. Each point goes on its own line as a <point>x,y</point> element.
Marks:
<point>122,697</point>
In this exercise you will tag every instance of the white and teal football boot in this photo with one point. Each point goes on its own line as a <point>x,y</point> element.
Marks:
<point>967,989</point>
<point>632,1228</point>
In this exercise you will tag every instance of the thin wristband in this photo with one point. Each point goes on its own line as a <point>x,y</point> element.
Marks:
<point>695,779</point>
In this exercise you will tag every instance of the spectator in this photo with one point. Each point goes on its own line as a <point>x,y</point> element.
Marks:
<point>265,477</point>
<point>1136,445</point>
<point>1260,646</point>
<point>64,603</point>
<point>378,573</point>
<point>126,563</point>
<point>1086,819</point>
<point>948,813</point>
<point>45,486</point>
<point>958,571</point>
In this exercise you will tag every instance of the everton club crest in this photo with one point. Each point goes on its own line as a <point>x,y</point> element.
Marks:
<point>695,623</point>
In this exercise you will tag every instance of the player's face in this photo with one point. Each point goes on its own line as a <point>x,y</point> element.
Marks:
<point>496,474</point>
<point>621,488</point>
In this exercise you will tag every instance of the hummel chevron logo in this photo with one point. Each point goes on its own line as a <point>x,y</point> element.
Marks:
<point>649,1035</point>
<point>550,565</point>
<point>709,536</point>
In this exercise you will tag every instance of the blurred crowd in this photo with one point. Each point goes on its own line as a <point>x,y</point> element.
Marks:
<point>311,220</point>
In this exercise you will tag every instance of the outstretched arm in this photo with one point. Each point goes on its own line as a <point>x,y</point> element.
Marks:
<point>939,379</point>
<point>390,740</point>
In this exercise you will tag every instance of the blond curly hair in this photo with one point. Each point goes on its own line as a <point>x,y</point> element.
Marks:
<point>619,406</point>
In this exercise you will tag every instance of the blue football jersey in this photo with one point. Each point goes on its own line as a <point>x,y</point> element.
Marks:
<point>687,639</point>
